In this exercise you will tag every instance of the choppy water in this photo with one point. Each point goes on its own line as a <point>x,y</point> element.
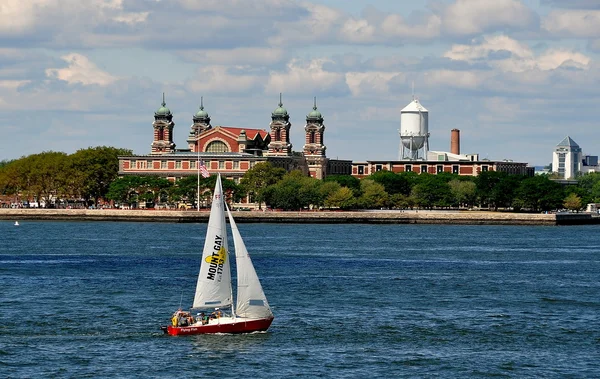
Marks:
<point>87,299</point>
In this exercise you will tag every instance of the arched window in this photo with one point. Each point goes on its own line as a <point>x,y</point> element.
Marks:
<point>217,147</point>
<point>277,134</point>
<point>312,136</point>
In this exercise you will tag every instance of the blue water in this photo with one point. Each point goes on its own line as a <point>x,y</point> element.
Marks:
<point>87,299</point>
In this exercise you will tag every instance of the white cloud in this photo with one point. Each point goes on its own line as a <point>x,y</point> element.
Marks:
<point>80,70</point>
<point>575,23</point>
<point>17,17</point>
<point>236,56</point>
<point>361,83</point>
<point>65,22</point>
<point>456,79</point>
<point>13,84</point>
<point>395,26</point>
<point>306,77</point>
<point>466,17</point>
<point>357,31</point>
<point>219,80</point>
<point>514,56</point>
<point>554,58</point>
<point>320,24</point>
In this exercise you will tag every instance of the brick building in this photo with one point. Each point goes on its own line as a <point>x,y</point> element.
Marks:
<point>232,151</point>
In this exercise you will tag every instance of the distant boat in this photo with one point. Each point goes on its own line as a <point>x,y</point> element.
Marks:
<point>16,223</point>
<point>214,292</point>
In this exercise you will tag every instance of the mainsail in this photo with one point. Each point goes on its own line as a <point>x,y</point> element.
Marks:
<point>213,288</point>
<point>251,300</point>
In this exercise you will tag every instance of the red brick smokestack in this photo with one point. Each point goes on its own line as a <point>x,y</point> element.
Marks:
<point>455,141</point>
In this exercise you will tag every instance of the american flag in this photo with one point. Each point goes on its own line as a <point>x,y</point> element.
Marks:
<point>203,170</point>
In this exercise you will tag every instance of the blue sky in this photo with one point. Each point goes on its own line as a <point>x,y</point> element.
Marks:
<point>515,76</point>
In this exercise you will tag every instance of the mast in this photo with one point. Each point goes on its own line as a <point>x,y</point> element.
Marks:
<point>231,287</point>
<point>213,288</point>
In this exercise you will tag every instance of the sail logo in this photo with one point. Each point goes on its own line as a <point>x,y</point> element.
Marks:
<point>217,259</point>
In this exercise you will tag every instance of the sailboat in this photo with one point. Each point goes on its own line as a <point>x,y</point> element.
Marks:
<point>16,223</point>
<point>213,299</point>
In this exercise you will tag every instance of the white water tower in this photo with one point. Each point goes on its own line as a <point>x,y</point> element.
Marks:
<point>414,131</point>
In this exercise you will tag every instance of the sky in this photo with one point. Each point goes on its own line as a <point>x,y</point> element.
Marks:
<point>514,76</point>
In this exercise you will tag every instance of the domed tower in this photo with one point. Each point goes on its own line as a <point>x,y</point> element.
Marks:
<point>163,130</point>
<point>314,150</point>
<point>280,132</point>
<point>201,124</point>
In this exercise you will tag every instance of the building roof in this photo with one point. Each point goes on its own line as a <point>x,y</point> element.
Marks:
<point>568,142</point>
<point>280,110</point>
<point>163,110</point>
<point>314,114</point>
<point>414,106</point>
<point>193,155</point>
<point>250,133</point>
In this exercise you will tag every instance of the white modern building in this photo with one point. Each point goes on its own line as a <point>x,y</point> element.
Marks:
<point>567,159</point>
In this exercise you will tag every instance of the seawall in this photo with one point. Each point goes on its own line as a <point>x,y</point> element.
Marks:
<point>368,217</point>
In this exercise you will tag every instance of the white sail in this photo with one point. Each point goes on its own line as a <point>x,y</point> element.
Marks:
<point>251,300</point>
<point>214,280</point>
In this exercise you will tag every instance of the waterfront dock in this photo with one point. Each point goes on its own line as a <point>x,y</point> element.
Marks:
<point>326,217</point>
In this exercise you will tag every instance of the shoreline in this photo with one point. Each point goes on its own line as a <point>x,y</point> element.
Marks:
<point>306,217</point>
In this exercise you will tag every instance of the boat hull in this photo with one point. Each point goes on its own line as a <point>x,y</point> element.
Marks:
<point>235,326</point>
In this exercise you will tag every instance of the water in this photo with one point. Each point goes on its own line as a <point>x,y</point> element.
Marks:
<point>87,299</point>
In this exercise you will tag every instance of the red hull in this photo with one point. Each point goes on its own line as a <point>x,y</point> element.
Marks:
<point>241,326</point>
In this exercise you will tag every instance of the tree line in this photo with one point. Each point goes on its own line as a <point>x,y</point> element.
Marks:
<point>91,175</point>
<point>84,175</point>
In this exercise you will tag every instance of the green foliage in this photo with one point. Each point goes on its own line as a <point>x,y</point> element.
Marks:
<point>497,189</point>
<point>256,180</point>
<point>342,198</point>
<point>395,183</point>
<point>295,191</point>
<point>540,193</point>
<point>36,176</point>
<point>345,181</point>
<point>463,192</point>
<point>432,190</point>
<point>401,201</point>
<point>373,195</point>
<point>131,189</point>
<point>94,169</point>
<point>572,202</point>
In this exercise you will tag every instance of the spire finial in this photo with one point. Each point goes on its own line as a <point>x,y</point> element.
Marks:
<point>413,89</point>
<point>280,103</point>
<point>163,103</point>
<point>315,106</point>
<point>201,103</point>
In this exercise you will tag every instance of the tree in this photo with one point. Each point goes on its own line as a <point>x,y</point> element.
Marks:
<point>432,190</point>
<point>40,176</point>
<point>463,192</point>
<point>345,181</point>
<point>256,180</point>
<point>373,195</point>
<point>295,191</point>
<point>95,169</point>
<point>540,193</point>
<point>400,201</point>
<point>497,189</point>
<point>572,202</point>
<point>342,198</point>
